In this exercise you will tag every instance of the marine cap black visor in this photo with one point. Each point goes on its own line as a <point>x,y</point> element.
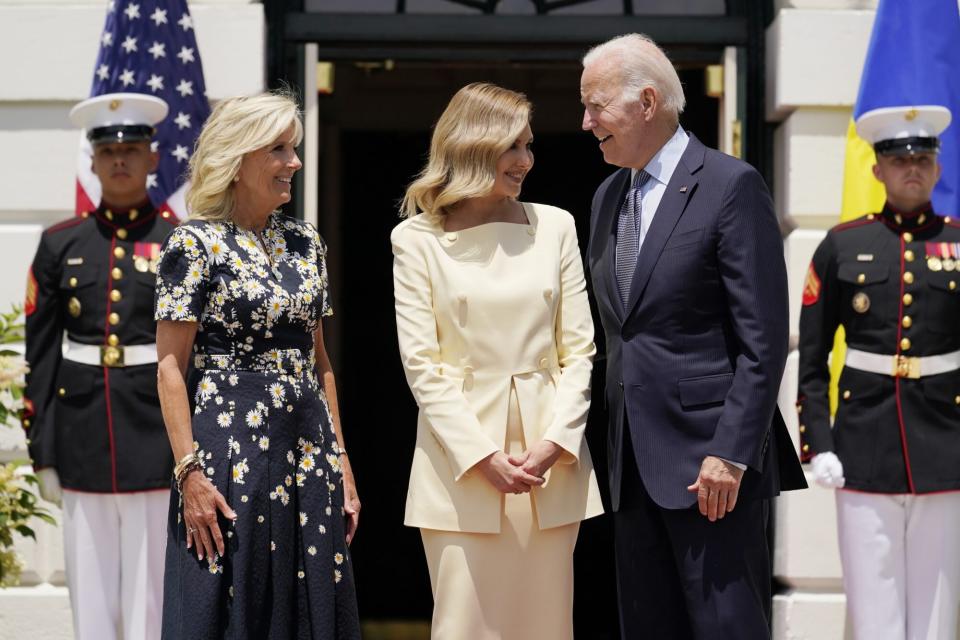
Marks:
<point>907,146</point>
<point>120,133</point>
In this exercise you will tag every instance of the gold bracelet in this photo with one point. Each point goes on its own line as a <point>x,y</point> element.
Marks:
<point>185,461</point>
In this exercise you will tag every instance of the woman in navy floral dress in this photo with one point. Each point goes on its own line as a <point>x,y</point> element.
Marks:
<point>266,506</point>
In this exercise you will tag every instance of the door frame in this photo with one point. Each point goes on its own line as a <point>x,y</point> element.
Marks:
<point>520,38</point>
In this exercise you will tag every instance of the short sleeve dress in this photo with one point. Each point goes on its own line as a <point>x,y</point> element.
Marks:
<point>262,427</point>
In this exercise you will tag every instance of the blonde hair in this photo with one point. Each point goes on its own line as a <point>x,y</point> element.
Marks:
<point>643,64</point>
<point>481,122</point>
<point>236,127</point>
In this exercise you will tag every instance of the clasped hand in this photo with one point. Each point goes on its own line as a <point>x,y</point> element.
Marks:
<point>519,474</point>
<point>717,487</point>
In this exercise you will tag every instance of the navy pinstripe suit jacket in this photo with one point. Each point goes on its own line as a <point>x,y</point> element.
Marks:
<point>695,359</point>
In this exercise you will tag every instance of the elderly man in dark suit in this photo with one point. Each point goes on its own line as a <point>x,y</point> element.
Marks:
<point>687,267</point>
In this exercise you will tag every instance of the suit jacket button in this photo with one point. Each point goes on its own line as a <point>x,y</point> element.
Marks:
<point>543,363</point>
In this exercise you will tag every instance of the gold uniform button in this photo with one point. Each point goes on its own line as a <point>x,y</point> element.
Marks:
<point>898,218</point>
<point>85,214</point>
<point>122,234</point>
<point>861,278</point>
<point>908,237</point>
<point>115,296</point>
<point>846,394</point>
<point>62,391</point>
<point>134,214</point>
<point>907,322</point>
<point>114,318</point>
<point>905,344</point>
<point>908,255</point>
<point>803,429</point>
<point>119,253</point>
<point>806,448</point>
<point>109,214</point>
<point>908,277</point>
<point>952,284</point>
<point>921,219</point>
<point>116,273</point>
<point>73,282</point>
<point>956,400</point>
<point>74,308</point>
<point>907,299</point>
<point>113,340</point>
<point>165,214</point>
<point>26,423</point>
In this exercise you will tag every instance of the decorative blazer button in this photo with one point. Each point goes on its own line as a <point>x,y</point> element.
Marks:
<point>543,363</point>
<point>451,237</point>
<point>531,231</point>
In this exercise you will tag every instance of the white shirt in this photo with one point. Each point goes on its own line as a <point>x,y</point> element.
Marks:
<point>661,168</point>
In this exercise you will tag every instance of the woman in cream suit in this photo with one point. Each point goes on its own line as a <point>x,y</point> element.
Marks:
<point>496,340</point>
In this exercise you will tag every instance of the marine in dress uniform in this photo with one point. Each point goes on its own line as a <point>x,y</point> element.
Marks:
<point>892,280</point>
<point>93,415</point>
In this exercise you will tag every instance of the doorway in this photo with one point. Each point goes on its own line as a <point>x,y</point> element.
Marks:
<point>375,133</point>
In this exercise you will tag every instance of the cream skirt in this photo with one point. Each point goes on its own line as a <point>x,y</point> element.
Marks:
<point>499,586</point>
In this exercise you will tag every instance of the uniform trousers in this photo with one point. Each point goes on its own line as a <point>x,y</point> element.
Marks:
<point>901,564</point>
<point>114,547</point>
<point>512,585</point>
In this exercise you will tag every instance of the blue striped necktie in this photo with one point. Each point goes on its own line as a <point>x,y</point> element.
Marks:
<point>628,235</point>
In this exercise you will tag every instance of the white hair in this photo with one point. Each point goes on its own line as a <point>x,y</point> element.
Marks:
<point>643,65</point>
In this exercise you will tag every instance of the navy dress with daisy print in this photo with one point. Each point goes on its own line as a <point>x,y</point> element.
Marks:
<point>262,427</point>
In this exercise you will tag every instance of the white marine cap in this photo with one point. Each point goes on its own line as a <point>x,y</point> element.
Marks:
<point>904,130</point>
<point>119,117</point>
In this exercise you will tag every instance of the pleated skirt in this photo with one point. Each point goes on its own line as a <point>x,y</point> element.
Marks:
<point>516,584</point>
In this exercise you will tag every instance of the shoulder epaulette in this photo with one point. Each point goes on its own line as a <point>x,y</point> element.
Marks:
<point>870,218</point>
<point>66,224</point>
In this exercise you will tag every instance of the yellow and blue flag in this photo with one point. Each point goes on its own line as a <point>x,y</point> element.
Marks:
<point>913,59</point>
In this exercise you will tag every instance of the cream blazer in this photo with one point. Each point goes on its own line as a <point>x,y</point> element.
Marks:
<point>479,311</point>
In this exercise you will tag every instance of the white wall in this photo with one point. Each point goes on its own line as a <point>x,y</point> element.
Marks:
<point>815,52</point>
<point>48,49</point>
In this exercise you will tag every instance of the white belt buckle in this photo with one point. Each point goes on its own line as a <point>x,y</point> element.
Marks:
<point>111,356</point>
<point>906,367</point>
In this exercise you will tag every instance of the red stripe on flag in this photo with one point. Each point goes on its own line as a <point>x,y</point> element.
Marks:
<point>83,200</point>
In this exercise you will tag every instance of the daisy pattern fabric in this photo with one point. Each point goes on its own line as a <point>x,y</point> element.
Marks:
<point>262,427</point>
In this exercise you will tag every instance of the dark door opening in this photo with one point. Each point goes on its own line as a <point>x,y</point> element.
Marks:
<point>376,132</point>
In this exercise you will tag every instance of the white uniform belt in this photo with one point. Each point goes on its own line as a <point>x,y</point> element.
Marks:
<point>110,355</point>
<point>903,366</point>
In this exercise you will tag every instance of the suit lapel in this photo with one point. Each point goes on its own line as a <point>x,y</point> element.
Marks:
<point>607,238</point>
<point>679,191</point>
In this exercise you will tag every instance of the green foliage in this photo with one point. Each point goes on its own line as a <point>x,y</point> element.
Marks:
<point>18,502</point>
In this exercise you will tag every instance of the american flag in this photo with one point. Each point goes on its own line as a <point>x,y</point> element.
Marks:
<point>148,46</point>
